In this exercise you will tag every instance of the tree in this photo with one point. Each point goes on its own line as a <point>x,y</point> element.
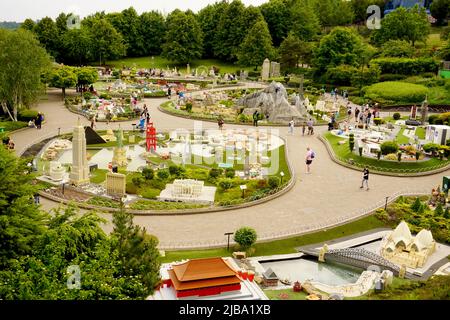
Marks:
<point>277,14</point>
<point>257,46</point>
<point>359,8</point>
<point>48,35</point>
<point>152,30</point>
<point>439,211</point>
<point>397,48</point>
<point>21,223</point>
<point>22,62</point>
<point>416,205</point>
<point>86,76</point>
<point>184,39</point>
<point>208,19</point>
<point>63,77</point>
<point>403,24</point>
<point>440,10</point>
<point>293,51</point>
<point>333,12</point>
<point>351,142</point>
<point>148,173</point>
<point>137,250</point>
<point>109,43</point>
<point>305,23</point>
<point>245,237</point>
<point>341,46</point>
<point>127,23</point>
<point>78,46</point>
<point>28,24</point>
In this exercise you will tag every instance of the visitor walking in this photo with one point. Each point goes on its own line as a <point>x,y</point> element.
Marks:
<point>356,114</point>
<point>365,179</point>
<point>303,129</point>
<point>38,121</point>
<point>310,127</point>
<point>310,155</point>
<point>36,198</point>
<point>92,122</point>
<point>169,92</point>
<point>291,126</point>
<point>108,117</point>
<point>255,118</point>
<point>220,123</point>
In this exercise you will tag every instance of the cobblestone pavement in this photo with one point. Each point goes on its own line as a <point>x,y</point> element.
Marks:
<point>328,193</point>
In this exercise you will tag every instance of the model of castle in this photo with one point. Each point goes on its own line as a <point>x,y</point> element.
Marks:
<point>402,248</point>
<point>80,169</point>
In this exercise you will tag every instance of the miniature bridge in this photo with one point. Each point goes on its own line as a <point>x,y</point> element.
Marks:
<point>361,258</point>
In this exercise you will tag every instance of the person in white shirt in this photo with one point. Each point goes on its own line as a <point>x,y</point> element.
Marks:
<point>291,126</point>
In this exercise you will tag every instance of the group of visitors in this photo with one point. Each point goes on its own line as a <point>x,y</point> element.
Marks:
<point>36,122</point>
<point>366,114</point>
<point>7,141</point>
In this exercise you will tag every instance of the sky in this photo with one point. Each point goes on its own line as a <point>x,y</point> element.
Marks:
<point>19,10</point>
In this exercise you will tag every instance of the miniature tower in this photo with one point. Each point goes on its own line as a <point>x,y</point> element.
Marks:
<point>120,154</point>
<point>151,137</point>
<point>80,170</point>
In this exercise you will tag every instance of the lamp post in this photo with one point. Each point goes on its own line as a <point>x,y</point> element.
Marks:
<point>243,188</point>
<point>228,244</point>
<point>59,132</point>
<point>282,175</point>
<point>385,205</point>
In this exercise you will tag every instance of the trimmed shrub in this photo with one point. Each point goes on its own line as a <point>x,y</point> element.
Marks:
<point>378,121</point>
<point>397,48</point>
<point>174,170</point>
<point>26,115</point>
<point>431,147</point>
<point>389,147</point>
<point>245,237</point>
<point>189,107</point>
<point>396,116</point>
<point>214,173</point>
<point>391,92</point>
<point>407,66</point>
<point>341,75</point>
<point>274,182</point>
<point>148,173</point>
<point>399,156</point>
<point>230,173</point>
<point>360,150</point>
<point>137,181</point>
<point>416,205</point>
<point>351,142</point>
<point>390,156</point>
<point>439,211</point>
<point>391,77</point>
<point>163,174</point>
<point>226,184</point>
<point>150,193</point>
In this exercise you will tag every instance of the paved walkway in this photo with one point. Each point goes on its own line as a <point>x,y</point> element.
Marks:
<point>331,192</point>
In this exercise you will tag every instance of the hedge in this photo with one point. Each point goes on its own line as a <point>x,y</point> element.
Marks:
<point>406,66</point>
<point>391,92</point>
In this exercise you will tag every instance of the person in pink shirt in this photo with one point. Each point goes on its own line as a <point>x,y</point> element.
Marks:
<point>309,159</point>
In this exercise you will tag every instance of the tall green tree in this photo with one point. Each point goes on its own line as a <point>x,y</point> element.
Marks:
<point>152,28</point>
<point>341,46</point>
<point>209,18</point>
<point>48,35</point>
<point>28,24</point>
<point>78,46</point>
<point>277,14</point>
<point>22,62</point>
<point>333,12</point>
<point>62,77</point>
<point>21,223</point>
<point>359,8</point>
<point>184,38</point>
<point>108,43</point>
<point>86,76</point>
<point>257,46</point>
<point>127,24</point>
<point>440,10</point>
<point>403,24</point>
<point>293,51</point>
<point>137,250</point>
<point>305,23</point>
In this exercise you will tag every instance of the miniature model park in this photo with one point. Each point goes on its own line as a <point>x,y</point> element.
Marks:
<point>165,166</point>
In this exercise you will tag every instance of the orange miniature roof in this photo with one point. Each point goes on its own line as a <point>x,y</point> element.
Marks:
<point>200,269</point>
<point>204,283</point>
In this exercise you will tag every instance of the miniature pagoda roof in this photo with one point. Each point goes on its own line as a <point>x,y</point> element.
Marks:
<point>199,269</point>
<point>270,275</point>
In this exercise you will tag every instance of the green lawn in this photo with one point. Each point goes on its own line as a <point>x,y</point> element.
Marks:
<point>159,62</point>
<point>98,176</point>
<point>11,126</point>
<point>344,154</point>
<point>420,132</point>
<point>283,246</point>
<point>401,138</point>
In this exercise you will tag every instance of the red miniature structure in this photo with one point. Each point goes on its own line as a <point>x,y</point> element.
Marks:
<point>151,137</point>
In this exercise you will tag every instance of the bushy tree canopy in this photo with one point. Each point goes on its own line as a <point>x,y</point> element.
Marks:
<point>257,45</point>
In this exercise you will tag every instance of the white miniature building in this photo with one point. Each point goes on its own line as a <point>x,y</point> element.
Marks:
<point>188,191</point>
<point>187,188</point>
<point>438,134</point>
<point>56,171</point>
<point>115,184</point>
<point>402,248</point>
<point>80,169</point>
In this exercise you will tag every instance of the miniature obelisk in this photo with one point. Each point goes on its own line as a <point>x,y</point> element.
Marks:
<point>79,173</point>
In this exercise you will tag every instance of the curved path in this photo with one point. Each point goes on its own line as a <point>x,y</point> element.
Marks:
<point>317,200</point>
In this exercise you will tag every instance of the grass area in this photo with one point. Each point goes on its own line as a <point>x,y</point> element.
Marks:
<point>283,246</point>
<point>401,138</point>
<point>420,132</point>
<point>162,63</point>
<point>285,294</point>
<point>344,154</point>
<point>12,126</point>
<point>98,176</point>
<point>158,205</point>
<point>103,202</point>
